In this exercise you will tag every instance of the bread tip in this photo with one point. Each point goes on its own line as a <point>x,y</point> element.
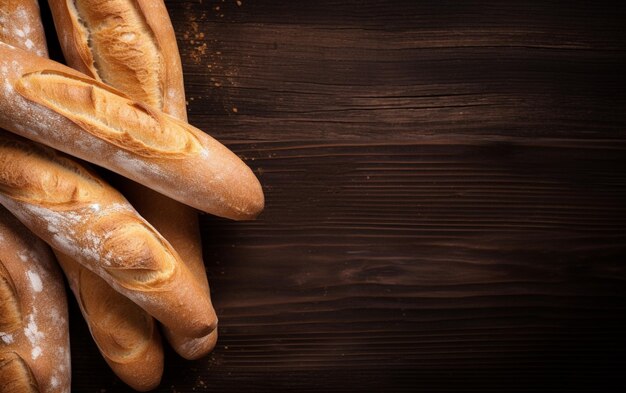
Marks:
<point>148,386</point>
<point>256,203</point>
<point>204,326</point>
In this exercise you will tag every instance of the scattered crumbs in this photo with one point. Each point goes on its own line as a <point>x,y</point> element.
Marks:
<point>201,48</point>
<point>200,384</point>
<point>198,52</point>
<point>194,36</point>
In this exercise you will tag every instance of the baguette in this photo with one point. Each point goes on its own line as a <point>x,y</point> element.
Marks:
<point>125,334</point>
<point>34,340</point>
<point>179,225</point>
<point>79,215</point>
<point>57,106</point>
<point>131,46</point>
<point>34,335</point>
<point>127,44</point>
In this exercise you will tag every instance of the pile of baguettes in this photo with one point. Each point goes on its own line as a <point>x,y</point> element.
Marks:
<point>121,106</point>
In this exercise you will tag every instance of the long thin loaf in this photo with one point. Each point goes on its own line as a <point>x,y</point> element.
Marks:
<point>126,335</point>
<point>34,335</point>
<point>127,44</point>
<point>34,340</point>
<point>131,45</point>
<point>57,106</point>
<point>78,214</point>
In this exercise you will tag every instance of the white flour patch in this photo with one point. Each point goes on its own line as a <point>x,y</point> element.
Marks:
<point>36,352</point>
<point>66,361</point>
<point>6,338</point>
<point>35,281</point>
<point>32,331</point>
<point>57,319</point>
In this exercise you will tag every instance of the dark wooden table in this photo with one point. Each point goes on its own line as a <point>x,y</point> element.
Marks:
<point>446,197</point>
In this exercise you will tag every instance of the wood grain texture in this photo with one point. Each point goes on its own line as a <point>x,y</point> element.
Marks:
<point>446,197</point>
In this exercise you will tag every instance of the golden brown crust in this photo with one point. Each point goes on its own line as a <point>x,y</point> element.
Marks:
<point>10,313</point>
<point>126,335</point>
<point>128,44</point>
<point>213,179</point>
<point>33,310</point>
<point>123,122</point>
<point>42,186</point>
<point>131,46</point>
<point>104,233</point>
<point>15,375</point>
<point>122,47</point>
<point>179,225</point>
<point>34,337</point>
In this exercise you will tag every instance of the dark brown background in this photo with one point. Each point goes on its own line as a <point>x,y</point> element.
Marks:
<point>446,196</point>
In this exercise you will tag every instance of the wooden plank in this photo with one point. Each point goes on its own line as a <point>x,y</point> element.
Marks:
<point>446,196</point>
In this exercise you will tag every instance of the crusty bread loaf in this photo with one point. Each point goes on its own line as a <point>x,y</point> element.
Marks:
<point>57,106</point>
<point>128,44</point>
<point>34,336</point>
<point>179,225</point>
<point>131,45</point>
<point>78,214</point>
<point>34,340</point>
<point>125,333</point>
<point>127,336</point>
